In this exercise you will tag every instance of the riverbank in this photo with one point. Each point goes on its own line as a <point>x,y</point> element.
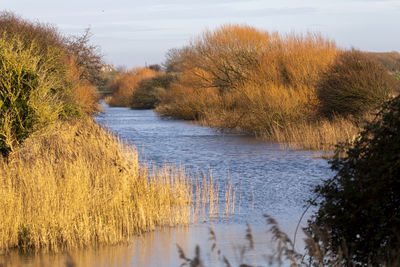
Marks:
<point>299,89</point>
<point>74,185</point>
<point>265,178</point>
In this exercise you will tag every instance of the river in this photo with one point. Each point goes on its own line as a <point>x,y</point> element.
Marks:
<point>269,180</point>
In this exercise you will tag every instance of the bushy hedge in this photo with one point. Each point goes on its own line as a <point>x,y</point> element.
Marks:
<point>360,206</point>
<point>354,84</point>
<point>40,78</point>
<point>31,94</point>
<point>150,91</point>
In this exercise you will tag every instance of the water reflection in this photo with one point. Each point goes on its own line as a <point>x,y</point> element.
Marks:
<point>270,180</point>
<point>158,248</point>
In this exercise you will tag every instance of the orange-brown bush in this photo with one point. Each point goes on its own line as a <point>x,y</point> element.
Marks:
<point>390,60</point>
<point>150,91</point>
<point>84,93</point>
<point>354,85</point>
<point>124,86</point>
<point>240,77</point>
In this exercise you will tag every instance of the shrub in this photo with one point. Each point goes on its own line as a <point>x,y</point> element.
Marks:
<point>30,93</point>
<point>48,45</point>
<point>87,57</point>
<point>125,85</point>
<point>243,78</point>
<point>353,85</point>
<point>84,93</point>
<point>150,91</point>
<point>41,78</point>
<point>390,60</point>
<point>360,205</point>
<point>46,36</point>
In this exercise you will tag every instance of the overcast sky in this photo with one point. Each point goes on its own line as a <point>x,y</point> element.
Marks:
<point>135,33</point>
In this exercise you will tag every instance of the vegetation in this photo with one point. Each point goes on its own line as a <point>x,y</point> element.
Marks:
<point>357,221</point>
<point>30,93</point>
<point>241,78</point>
<point>64,181</point>
<point>151,90</point>
<point>75,185</point>
<point>354,85</point>
<point>320,135</point>
<point>125,85</point>
<point>40,80</point>
<point>361,203</point>
<point>87,58</point>
<point>391,60</point>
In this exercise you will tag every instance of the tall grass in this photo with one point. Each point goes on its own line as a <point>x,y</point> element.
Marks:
<point>284,253</point>
<point>320,135</point>
<point>74,185</point>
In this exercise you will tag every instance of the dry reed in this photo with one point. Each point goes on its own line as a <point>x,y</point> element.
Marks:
<point>75,185</point>
<point>319,135</point>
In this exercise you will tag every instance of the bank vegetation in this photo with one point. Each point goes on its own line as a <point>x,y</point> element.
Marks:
<point>297,89</point>
<point>65,182</point>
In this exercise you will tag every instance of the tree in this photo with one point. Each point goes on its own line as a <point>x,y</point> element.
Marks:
<point>88,57</point>
<point>360,205</point>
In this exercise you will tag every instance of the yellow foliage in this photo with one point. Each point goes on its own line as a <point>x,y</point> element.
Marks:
<point>74,185</point>
<point>239,77</point>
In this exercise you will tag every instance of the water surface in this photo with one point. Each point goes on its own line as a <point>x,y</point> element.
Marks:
<point>269,180</point>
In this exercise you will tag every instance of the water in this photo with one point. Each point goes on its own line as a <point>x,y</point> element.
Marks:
<point>272,180</point>
<point>269,180</point>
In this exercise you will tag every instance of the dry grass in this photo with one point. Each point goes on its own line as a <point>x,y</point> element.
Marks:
<point>284,253</point>
<point>75,185</point>
<point>319,135</point>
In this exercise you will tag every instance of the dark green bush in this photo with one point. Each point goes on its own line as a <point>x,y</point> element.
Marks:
<point>151,90</point>
<point>29,98</point>
<point>50,48</point>
<point>36,87</point>
<point>360,206</point>
<point>353,85</point>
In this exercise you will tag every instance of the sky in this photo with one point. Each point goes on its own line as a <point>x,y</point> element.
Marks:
<point>137,33</point>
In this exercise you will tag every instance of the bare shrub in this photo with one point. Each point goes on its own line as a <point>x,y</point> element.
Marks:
<point>354,85</point>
